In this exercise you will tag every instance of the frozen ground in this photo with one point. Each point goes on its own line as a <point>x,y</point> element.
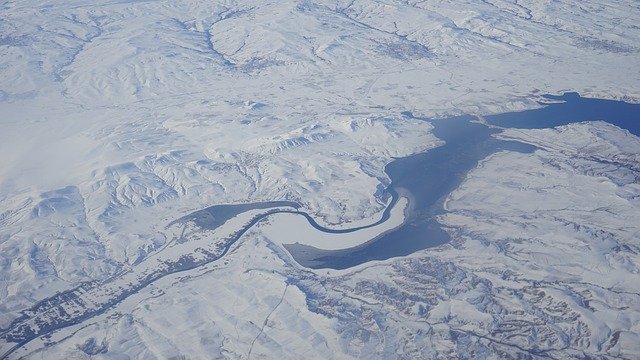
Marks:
<point>119,117</point>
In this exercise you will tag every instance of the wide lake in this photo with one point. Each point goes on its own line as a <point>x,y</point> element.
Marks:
<point>426,179</point>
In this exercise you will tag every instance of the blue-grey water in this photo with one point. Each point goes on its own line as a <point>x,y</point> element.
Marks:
<point>214,216</point>
<point>570,109</point>
<point>428,178</point>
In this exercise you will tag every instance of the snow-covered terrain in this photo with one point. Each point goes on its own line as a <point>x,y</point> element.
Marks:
<point>118,118</point>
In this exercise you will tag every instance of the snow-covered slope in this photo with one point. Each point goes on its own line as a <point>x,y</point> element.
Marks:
<point>556,277</point>
<point>119,117</point>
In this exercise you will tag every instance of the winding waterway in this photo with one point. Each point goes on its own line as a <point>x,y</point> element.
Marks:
<point>427,178</point>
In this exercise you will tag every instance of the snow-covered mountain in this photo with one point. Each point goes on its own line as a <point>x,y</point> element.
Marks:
<point>120,119</point>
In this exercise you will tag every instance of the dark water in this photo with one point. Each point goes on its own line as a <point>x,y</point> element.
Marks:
<point>572,109</point>
<point>429,177</point>
<point>426,179</point>
<point>214,216</point>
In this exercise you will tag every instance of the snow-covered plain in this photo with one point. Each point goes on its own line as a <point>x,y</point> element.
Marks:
<point>119,117</point>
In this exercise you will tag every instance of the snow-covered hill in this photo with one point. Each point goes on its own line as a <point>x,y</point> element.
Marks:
<point>119,117</point>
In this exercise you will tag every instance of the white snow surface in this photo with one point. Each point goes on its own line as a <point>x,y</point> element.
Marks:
<point>287,228</point>
<point>119,117</point>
